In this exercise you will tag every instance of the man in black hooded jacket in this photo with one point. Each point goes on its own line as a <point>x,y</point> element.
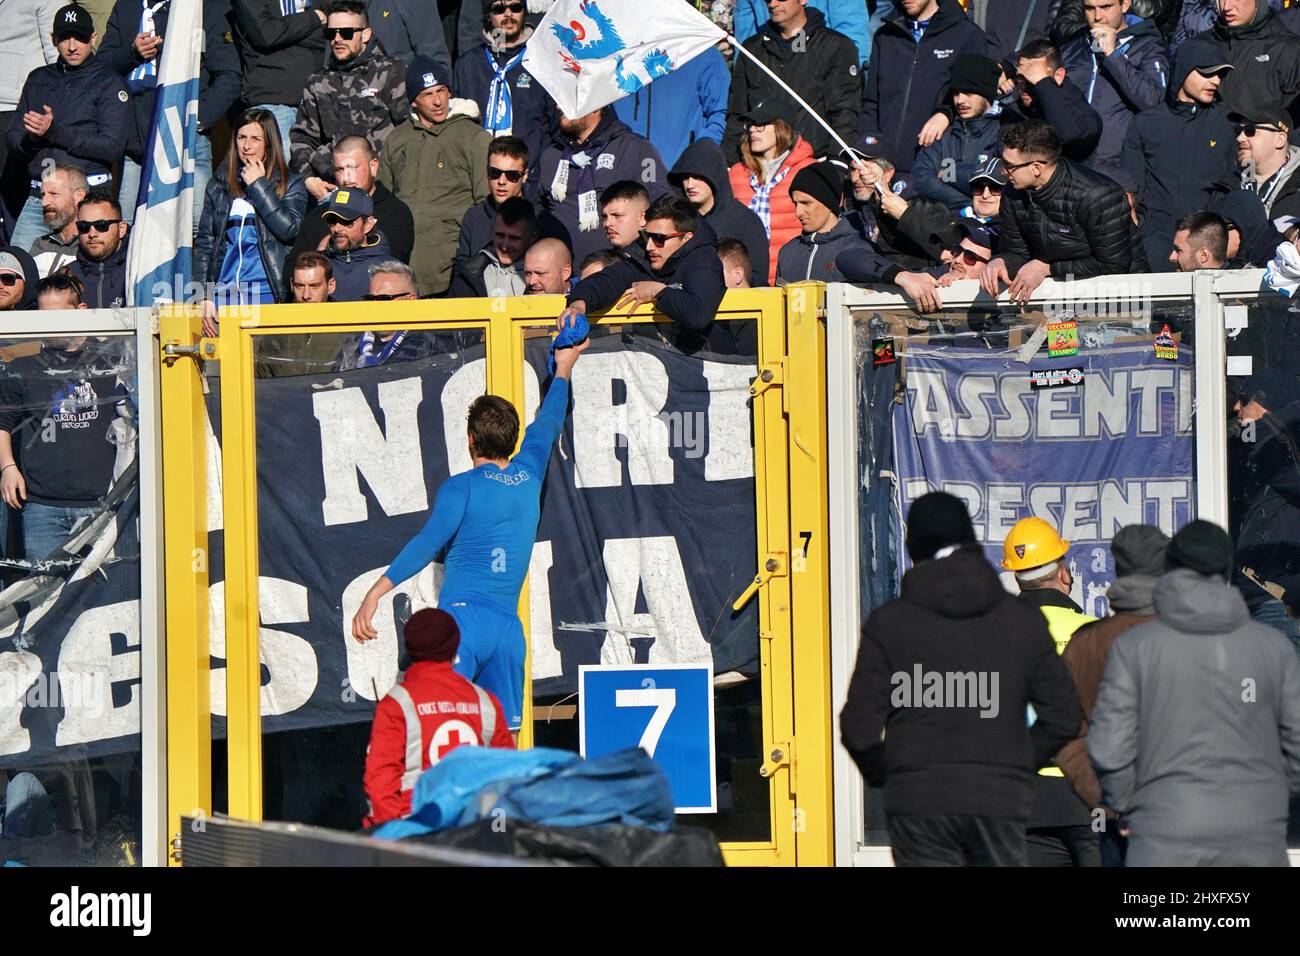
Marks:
<point>679,272</point>
<point>908,73</point>
<point>701,174</point>
<point>817,63</point>
<point>957,766</point>
<point>1265,54</point>
<point>18,280</point>
<point>1175,152</point>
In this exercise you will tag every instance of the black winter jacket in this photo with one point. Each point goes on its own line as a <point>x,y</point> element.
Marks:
<point>278,220</point>
<point>695,290</point>
<point>278,52</point>
<point>953,617</point>
<point>1064,107</point>
<point>92,117</point>
<point>1266,57</point>
<point>909,241</point>
<point>906,79</point>
<point>1133,78</point>
<point>1173,155</point>
<point>1259,238</point>
<point>818,64</point>
<point>1007,21</point>
<point>219,75</point>
<point>410,28</point>
<point>394,221</point>
<point>1078,223</point>
<point>352,267</point>
<point>729,217</point>
<point>105,282</point>
<point>532,107</point>
<point>1268,503</point>
<point>942,172</point>
<point>817,256</point>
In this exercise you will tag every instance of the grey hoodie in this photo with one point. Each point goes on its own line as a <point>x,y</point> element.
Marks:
<point>1196,732</point>
<point>24,44</point>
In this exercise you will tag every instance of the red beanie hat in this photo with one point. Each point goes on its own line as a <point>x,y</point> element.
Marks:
<point>432,635</point>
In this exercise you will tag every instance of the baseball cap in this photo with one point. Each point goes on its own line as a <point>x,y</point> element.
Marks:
<point>992,171</point>
<point>9,263</point>
<point>760,114</point>
<point>976,232</point>
<point>1264,116</point>
<point>349,205</point>
<point>73,21</point>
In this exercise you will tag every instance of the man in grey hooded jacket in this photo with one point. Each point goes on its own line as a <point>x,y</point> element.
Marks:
<point>1196,733</point>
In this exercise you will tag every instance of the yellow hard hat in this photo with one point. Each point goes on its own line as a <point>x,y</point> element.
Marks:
<point>1032,543</point>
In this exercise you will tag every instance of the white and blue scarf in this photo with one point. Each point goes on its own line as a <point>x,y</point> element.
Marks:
<point>145,76</point>
<point>498,119</point>
<point>366,357</point>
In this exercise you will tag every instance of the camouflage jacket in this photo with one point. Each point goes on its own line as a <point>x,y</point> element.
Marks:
<point>364,97</point>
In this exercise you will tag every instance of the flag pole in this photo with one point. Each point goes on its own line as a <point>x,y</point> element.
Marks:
<point>739,48</point>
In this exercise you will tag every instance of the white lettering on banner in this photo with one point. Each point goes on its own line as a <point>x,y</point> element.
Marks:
<point>1109,405</point>
<point>18,671</point>
<point>168,172</point>
<point>23,623</point>
<point>216,514</point>
<point>352,442</point>
<point>466,384</point>
<point>372,666</point>
<point>541,632</point>
<point>653,566</point>
<point>729,455</point>
<point>1084,511</point>
<point>597,421</point>
<point>87,653</point>
<point>290,660</point>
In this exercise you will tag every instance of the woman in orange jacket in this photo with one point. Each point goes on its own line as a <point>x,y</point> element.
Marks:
<point>771,153</point>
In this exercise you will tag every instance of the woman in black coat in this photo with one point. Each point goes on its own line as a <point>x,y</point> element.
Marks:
<point>252,210</point>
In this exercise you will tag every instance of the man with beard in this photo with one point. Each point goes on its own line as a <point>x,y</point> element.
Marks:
<point>62,188</point>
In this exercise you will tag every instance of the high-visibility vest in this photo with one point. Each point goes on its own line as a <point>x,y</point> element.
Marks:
<point>1062,622</point>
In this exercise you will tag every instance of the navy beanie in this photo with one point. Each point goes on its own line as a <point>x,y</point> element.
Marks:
<point>423,73</point>
<point>937,520</point>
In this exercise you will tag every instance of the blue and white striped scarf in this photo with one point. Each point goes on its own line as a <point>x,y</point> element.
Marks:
<point>498,119</point>
<point>145,76</point>
<point>761,201</point>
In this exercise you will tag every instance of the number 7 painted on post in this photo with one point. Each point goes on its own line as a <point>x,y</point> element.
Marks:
<point>663,700</point>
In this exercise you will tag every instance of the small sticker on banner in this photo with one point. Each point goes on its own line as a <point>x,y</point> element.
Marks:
<point>1166,347</point>
<point>882,352</point>
<point>1240,365</point>
<point>1062,339</point>
<point>1055,377</point>
<point>1032,345</point>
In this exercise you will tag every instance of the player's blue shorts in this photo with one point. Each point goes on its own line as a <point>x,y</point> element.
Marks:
<point>492,654</point>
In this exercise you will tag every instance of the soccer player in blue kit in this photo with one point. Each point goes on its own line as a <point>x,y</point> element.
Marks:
<point>486,519</point>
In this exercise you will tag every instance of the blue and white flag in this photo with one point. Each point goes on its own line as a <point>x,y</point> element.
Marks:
<point>160,257</point>
<point>589,53</point>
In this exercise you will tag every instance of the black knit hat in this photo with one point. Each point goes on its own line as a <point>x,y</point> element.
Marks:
<point>972,73</point>
<point>937,520</point>
<point>1203,547</point>
<point>823,181</point>
<point>1139,549</point>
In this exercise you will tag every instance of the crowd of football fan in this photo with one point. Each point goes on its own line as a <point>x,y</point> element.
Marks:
<point>1003,141</point>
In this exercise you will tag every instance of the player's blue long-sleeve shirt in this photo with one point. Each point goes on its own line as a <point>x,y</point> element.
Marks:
<point>487,519</point>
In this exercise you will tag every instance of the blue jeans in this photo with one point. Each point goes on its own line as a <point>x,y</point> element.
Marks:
<point>29,226</point>
<point>27,808</point>
<point>1273,613</point>
<point>46,527</point>
<point>129,191</point>
<point>284,118</point>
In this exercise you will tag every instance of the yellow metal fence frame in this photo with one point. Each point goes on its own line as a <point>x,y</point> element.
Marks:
<point>790,480</point>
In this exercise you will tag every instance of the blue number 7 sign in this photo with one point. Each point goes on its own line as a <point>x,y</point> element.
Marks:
<point>666,710</point>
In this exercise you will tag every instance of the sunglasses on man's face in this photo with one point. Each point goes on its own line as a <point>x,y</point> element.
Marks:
<point>985,185</point>
<point>659,238</point>
<point>511,175</point>
<point>386,296</point>
<point>347,33</point>
<point>1250,129</point>
<point>8,279</point>
<point>1012,167</point>
<point>966,256</point>
<point>499,8</point>
<point>99,225</point>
